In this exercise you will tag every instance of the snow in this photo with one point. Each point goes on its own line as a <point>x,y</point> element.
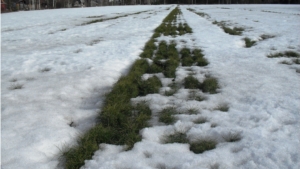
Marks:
<point>64,75</point>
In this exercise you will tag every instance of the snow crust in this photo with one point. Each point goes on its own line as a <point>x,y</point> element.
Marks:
<point>53,107</point>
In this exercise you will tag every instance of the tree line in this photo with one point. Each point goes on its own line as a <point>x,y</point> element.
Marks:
<point>50,4</point>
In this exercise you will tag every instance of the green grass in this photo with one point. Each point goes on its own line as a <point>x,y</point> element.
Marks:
<point>191,82</point>
<point>149,49</point>
<point>186,58</point>
<point>176,138</point>
<point>120,121</point>
<point>296,61</point>
<point>202,146</point>
<point>174,88</point>
<point>16,86</point>
<point>234,31</point>
<point>170,68</point>
<point>166,115</point>
<point>202,61</point>
<point>232,137</point>
<point>284,54</point>
<point>200,120</point>
<point>202,14</point>
<point>194,96</point>
<point>210,85</point>
<point>223,108</point>
<point>249,43</point>
<point>149,86</point>
<point>106,19</point>
<point>265,36</point>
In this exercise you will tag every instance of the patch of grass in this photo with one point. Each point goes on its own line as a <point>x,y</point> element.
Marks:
<point>232,137</point>
<point>286,62</point>
<point>156,67</point>
<point>265,36</point>
<point>176,138</point>
<point>166,115</point>
<point>249,43</point>
<point>296,61</point>
<point>192,111</point>
<point>202,14</point>
<point>213,125</point>
<point>170,68</point>
<point>191,82</point>
<point>284,54</point>
<point>162,52</point>
<point>174,88</point>
<point>234,31</point>
<point>202,61</point>
<point>197,53</point>
<point>223,108</point>
<point>149,86</point>
<point>148,49</point>
<point>94,42</point>
<point>186,58</point>
<point>106,19</point>
<point>16,86</point>
<point>200,120</point>
<point>194,96</point>
<point>202,146</point>
<point>46,69</point>
<point>210,85</point>
<point>120,121</point>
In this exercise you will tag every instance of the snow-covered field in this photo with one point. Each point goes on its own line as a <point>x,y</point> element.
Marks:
<point>56,71</point>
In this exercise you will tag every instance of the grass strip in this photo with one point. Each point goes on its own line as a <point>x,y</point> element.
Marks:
<point>106,19</point>
<point>284,54</point>
<point>119,122</point>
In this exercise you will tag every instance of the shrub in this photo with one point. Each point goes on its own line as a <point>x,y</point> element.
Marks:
<point>191,83</point>
<point>202,145</point>
<point>210,85</point>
